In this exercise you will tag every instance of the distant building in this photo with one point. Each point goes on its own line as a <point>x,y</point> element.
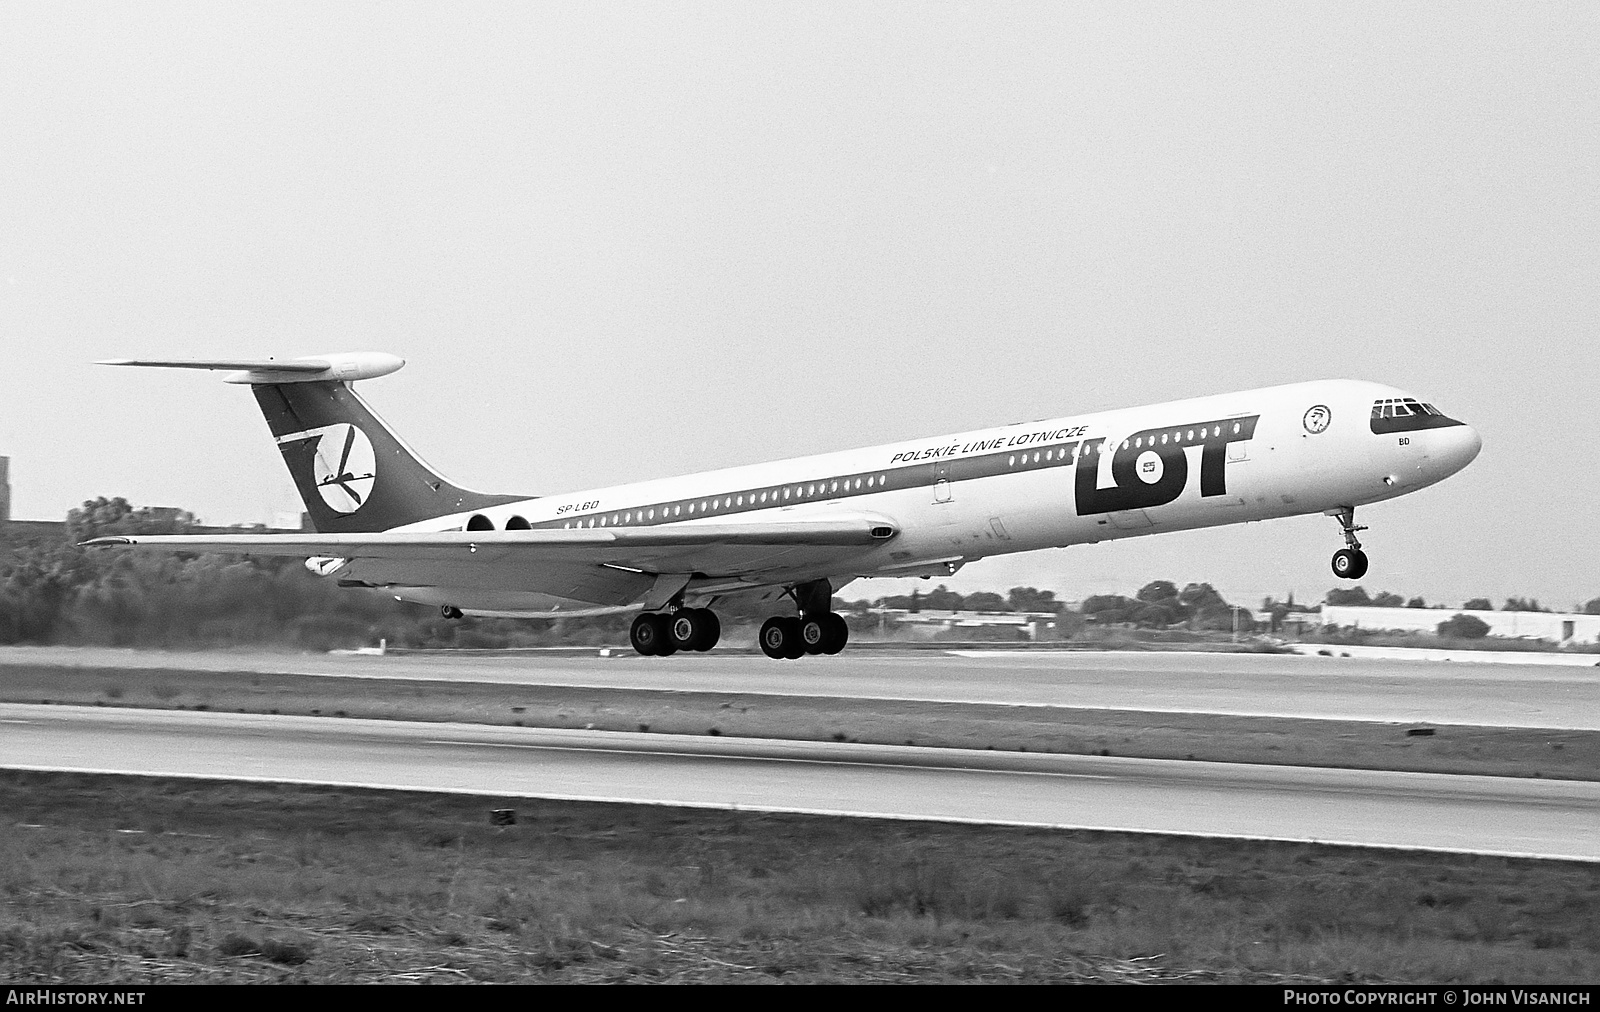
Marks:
<point>926,624</point>
<point>1557,627</point>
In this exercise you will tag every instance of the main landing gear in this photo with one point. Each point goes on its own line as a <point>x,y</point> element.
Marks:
<point>817,630</point>
<point>657,635</point>
<point>1349,563</point>
<point>788,638</point>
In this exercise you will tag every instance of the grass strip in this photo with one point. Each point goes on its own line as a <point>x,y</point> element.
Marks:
<point>152,880</point>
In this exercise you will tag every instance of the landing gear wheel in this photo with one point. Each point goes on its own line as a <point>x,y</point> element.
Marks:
<point>775,638</point>
<point>814,634</point>
<point>794,646</point>
<point>713,630</point>
<point>449,611</point>
<point>693,629</point>
<point>650,635</point>
<point>1349,563</point>
<point>838,633</point>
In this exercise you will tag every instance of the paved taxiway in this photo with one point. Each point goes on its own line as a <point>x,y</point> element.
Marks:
<point>1426,811</point>
<point>1271,685</point>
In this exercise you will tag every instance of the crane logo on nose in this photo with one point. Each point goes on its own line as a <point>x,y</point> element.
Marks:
<point>1317,419</point>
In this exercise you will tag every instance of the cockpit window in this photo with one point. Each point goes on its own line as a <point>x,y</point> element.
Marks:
<point>1405,414</point>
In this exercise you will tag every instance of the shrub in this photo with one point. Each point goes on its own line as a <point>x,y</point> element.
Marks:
<point>1467,627</point>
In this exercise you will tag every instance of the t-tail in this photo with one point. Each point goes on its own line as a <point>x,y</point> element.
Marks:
<point>353,473</point>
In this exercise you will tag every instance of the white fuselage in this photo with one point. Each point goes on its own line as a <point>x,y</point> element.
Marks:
<point>1255,455</point>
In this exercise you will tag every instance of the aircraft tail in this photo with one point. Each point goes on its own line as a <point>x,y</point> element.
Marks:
<point>353,473</point>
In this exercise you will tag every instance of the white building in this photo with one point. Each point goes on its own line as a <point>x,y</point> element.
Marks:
<point>928,623</point>
<point>1538,625</point>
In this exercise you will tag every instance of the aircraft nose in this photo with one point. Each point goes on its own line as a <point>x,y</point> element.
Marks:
<point>1462,446</point>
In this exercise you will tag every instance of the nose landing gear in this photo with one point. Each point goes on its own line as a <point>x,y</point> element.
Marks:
<point>1349,563</point>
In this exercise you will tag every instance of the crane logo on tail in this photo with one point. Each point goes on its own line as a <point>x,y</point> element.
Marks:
<point>343,465</point>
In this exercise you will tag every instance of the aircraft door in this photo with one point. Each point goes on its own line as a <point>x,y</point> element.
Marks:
<point>941,483</point>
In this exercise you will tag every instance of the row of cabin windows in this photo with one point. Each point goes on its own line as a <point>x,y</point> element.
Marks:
<point>1402,407</point>
<point>1182,436</point>
<point>1044,456</point>
<point>712,505</point>
<point>1137,443</point>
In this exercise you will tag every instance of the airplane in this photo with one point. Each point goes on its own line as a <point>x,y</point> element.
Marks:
<point>672,548</point>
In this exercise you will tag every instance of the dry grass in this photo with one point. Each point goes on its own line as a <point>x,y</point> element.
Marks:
<point>133,880</point>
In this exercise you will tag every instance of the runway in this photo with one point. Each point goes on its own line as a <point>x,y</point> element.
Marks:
<point>1489,815</point>
<point>1270,685</point>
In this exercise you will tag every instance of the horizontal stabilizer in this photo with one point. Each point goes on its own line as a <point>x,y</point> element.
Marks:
<point>342,367</point>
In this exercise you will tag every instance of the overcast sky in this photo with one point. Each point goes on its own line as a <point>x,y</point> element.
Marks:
<point>624,241</point>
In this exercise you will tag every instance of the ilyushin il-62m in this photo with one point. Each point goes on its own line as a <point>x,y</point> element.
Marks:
<point>796,531</point>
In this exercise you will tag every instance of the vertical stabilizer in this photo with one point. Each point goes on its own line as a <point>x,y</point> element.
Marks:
<point>353,473</point>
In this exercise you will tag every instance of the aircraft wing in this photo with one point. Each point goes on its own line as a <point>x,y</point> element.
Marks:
<point>603,565</point>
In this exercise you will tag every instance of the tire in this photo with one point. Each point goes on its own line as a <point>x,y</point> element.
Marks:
<point>713,630</point>
<point>1349,564</point>
<point>795,647</point>
<point>814,634</point>
<point>838,633</point>
<point>686,629</point>
<point>774,638</point>
<point>649,635</point>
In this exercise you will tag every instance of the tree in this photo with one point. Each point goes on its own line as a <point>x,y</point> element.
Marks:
<point>1388,600</point>
<point>1157,592</point>
<point>1416,602</point>
<point>1161,606</point>
<point>1480,604</point>
<point>1522,604</point>
<point>1593,607</point>
<point>1223,617</point>
<point>985,600</point>
<point>942,598</point>
<point>1279,610</point>
<point>98,518</point>
<point>1198,595</point>
<point>1030,599</point>
<point>1108,608</point>
<point>1348,596</point>
<point>1467,627</point>
<point>1157,614</point>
